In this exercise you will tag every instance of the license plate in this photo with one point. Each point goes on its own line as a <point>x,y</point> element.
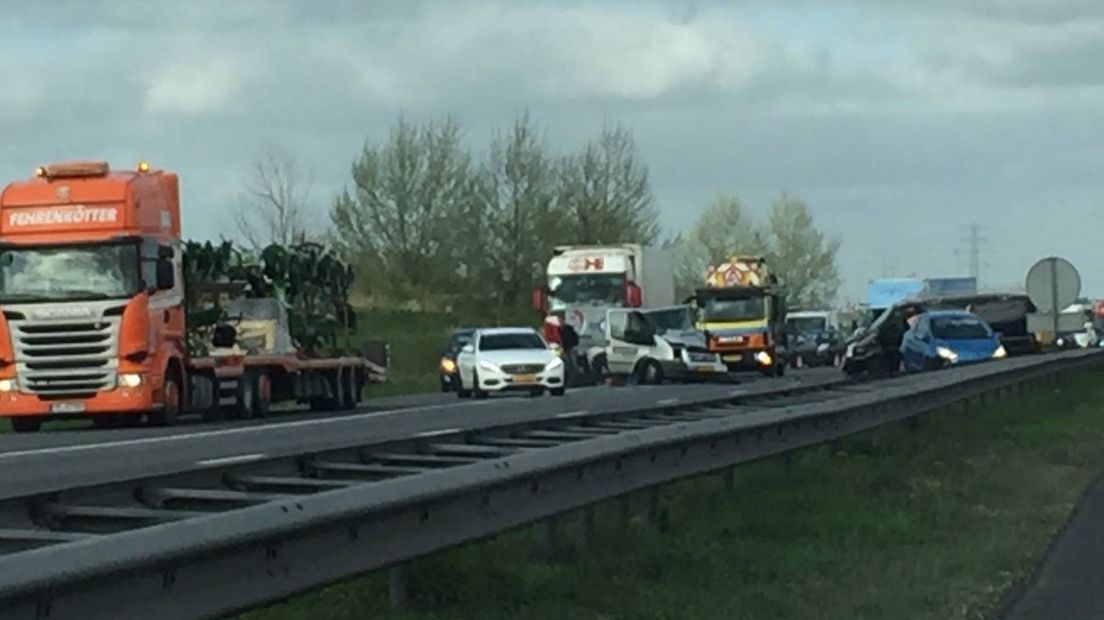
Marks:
<point>704,369</point>
<point>733,358</point>
<point>525,379</point>
<point>66,407</point>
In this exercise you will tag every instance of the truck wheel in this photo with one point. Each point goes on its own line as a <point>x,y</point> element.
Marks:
<point>245,398</point>
<point>341,395</point>
<point>780,370</point>
<point>170,403</point>
<point>26,424</point>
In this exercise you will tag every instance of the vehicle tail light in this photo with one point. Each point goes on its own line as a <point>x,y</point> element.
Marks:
<point>551,332</point>
<point>539,299</point>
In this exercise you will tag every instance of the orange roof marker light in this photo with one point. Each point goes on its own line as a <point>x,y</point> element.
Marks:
<point>73,169</point>
<point>143,166</point>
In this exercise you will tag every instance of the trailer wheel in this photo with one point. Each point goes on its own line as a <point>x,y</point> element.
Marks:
<point>245,398</point>
<point>26,424</point>
<point>350,389</point>
<point>262,395</point>
<point>170,402</point>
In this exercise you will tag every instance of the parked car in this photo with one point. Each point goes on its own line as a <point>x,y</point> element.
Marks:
<point>504,359</point>
<point>949,338</point>
<point>446,368</point>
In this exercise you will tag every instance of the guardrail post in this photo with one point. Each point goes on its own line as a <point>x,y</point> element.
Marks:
<point>653,505</point>
<point>586,526</point>
<point>548,536</point>
<point>398,585</point>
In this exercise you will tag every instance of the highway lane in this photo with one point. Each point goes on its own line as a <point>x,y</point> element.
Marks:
<point>50,461</point>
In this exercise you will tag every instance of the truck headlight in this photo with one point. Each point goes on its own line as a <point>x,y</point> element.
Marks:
<point>1000,353</point>
<point>447,365</point>
<point>946,354</point>
<point>7,385</point>
<point>130,380</point>
<point>764,358</point>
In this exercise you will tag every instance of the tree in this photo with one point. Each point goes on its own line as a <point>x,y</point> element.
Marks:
<point>523,227</point>
<point>605,195</point>
<point>410,195</point>
<point>721,231</point>
<point>803,257</point>
<point>277,203</point>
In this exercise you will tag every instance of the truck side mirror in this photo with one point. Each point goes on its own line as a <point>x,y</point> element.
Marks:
<point>634,297</point>
<point>166,274</point>
<point>539,299</point>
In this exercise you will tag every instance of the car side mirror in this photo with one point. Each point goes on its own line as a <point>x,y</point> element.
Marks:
<point>166,274</point>
<point>468,348</point>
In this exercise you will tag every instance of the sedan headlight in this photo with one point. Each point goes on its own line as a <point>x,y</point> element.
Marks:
<point>489,366</point>
<point>1000,353</point>
<point>447,366</point>
<point>822,347</point>
<point>554,364</point>
<point>946,354</point>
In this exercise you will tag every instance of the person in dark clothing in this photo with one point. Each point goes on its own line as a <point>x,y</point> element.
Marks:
<point>569,340</point>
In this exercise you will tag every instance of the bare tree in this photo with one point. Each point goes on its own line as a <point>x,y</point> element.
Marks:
<point>275,207</point>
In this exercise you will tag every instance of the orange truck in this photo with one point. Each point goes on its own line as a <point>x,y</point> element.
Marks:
<point>93,314</point>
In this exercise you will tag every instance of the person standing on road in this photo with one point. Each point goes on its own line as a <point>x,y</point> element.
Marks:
<point>569,340</point>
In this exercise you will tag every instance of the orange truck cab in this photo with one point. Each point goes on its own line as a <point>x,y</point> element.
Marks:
<point>92,293</point>
<point>93,313</point>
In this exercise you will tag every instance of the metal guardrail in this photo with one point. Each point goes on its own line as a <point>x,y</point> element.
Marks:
<point>342,519</point>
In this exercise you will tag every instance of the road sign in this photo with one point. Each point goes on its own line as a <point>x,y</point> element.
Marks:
<point>1053,283</point>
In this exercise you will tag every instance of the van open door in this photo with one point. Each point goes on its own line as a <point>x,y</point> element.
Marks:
<point>629,338</point>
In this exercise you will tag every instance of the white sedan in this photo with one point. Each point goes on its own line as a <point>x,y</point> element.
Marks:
<point>508,359</point>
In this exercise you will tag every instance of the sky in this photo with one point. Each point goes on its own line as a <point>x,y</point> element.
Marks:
<point>901,123</point>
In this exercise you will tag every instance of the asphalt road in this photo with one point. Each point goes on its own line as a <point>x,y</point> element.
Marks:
<point>48,461</point>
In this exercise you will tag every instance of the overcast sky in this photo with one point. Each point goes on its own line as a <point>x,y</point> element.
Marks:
<point>900,122</point>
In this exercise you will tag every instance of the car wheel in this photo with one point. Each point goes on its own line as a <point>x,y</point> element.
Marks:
<point>651,373</point>
<point>479,393</point>
<point>558,391</point>
<point>461,392</point>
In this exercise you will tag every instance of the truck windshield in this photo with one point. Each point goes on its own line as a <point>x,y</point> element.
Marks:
<point>746,309</point>
<point>594,289</point>
<point>68,273</point>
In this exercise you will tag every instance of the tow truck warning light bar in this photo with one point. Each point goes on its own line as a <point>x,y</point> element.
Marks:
<point>72,169</point>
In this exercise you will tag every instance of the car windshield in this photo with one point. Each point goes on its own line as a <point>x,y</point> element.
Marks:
<point>805,325</point>
<point>458,340</point>
<point>745,309</point>
<point>68,273</point>
<point>594,289</point>
<point>502,342</point>
<point>676,319</point>
<point>959,328</point>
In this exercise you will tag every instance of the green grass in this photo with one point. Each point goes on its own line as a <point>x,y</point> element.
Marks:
<point>936,522</point>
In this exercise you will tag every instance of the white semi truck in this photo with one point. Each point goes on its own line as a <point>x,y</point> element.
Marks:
<point>584,281</point>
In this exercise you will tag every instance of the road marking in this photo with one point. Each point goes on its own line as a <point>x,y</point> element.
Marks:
<point>230,460</point>
<point>443,431</point>
<point>667,401</point>
<point>262,428</point>
<point>572,414</point>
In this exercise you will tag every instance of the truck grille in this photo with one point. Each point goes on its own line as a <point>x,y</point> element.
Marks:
<point>522,369</point>
<point>65,358</point>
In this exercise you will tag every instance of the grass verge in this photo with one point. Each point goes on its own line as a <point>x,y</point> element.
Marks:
<point>936,522</point>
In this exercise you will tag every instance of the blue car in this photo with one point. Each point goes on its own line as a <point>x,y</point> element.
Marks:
<point>946,338</point>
